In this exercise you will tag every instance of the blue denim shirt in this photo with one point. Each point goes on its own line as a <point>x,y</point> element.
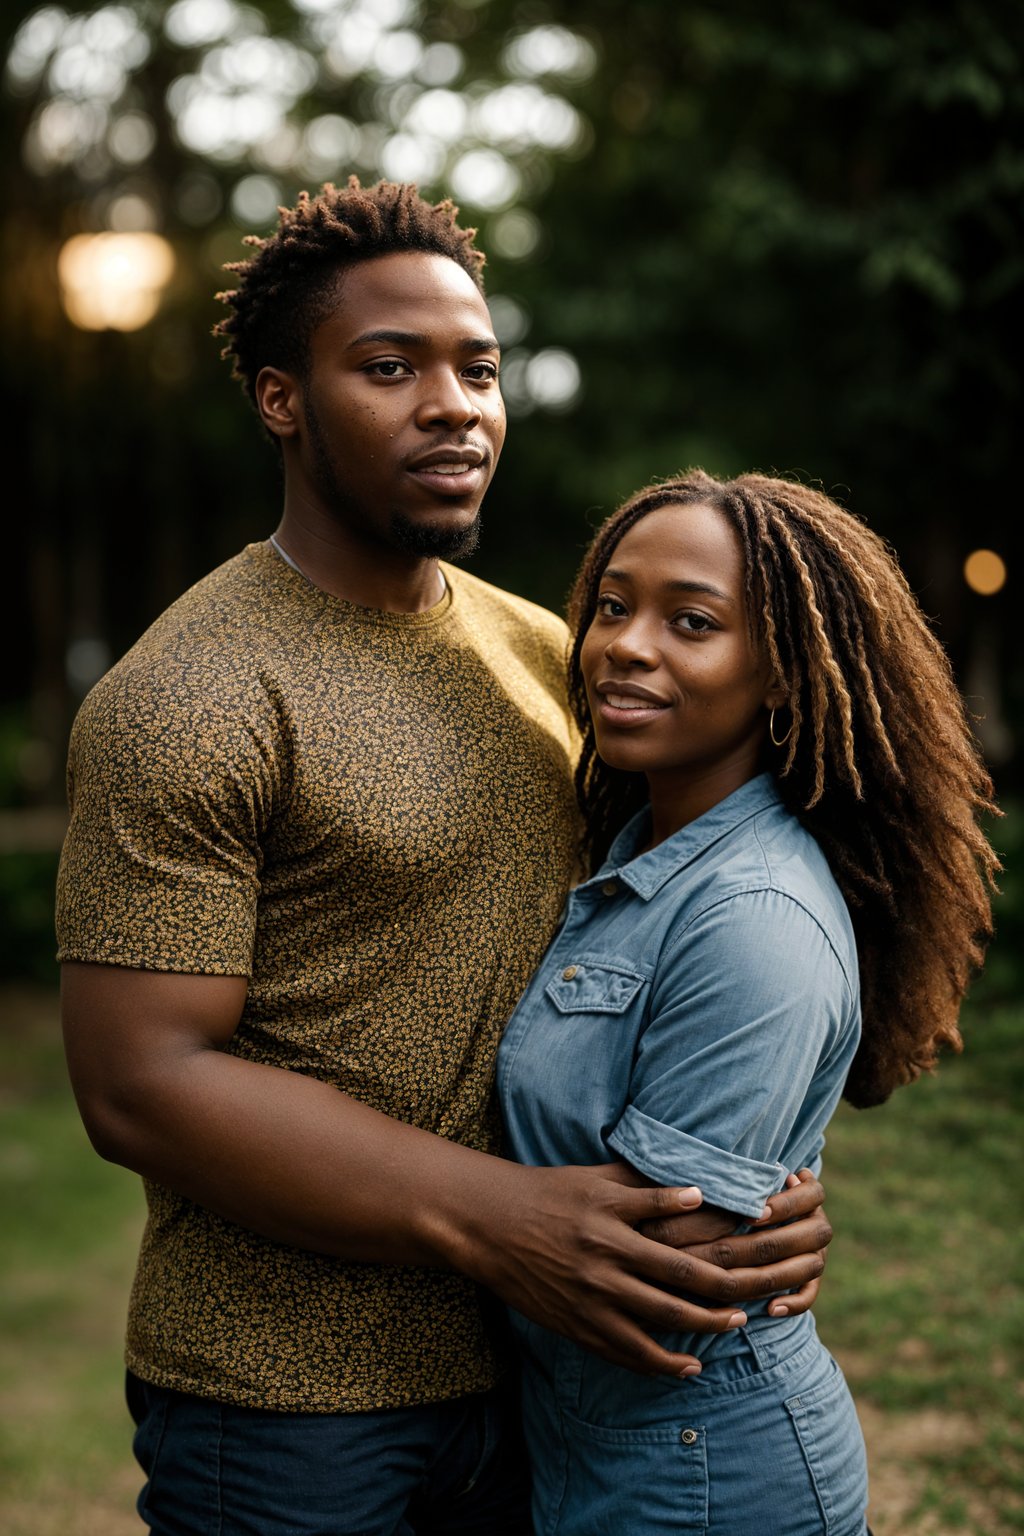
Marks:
<point>696,1012</point>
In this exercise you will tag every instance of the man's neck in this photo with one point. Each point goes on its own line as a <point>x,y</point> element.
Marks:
<point>390,580</point>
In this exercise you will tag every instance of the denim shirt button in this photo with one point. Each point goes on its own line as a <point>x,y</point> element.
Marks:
<point>569,973</point>
<point>688,1437</point>
<point>609,888</point>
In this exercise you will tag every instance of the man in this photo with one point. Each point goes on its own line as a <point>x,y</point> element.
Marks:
<point>322,827</point>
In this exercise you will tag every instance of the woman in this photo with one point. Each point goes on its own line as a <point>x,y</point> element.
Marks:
<point>780,792</point>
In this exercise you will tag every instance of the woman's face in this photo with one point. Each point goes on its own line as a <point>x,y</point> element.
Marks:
<point>677,689</point>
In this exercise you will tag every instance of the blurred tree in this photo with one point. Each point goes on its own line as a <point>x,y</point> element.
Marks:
<point>194,121</point>
<point>782,238</point>
<point>797,243</point>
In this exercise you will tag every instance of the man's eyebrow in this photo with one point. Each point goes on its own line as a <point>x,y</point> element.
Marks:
<point>420,339</point>
<point>704,587</point>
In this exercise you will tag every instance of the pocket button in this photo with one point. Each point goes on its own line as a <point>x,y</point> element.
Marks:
<point>688,1437</point>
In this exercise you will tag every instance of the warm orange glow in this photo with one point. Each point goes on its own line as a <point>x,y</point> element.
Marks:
<point>113,282</point>
<point>985,572</point>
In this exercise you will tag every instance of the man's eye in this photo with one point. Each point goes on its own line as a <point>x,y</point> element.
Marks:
<point>388,367</point>
<point>481,373</point>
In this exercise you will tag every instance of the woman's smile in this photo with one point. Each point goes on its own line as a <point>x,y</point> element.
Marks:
<point>627,703</point>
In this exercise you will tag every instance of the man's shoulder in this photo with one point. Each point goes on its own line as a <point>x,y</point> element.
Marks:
<point>507,608</point>
<point>205,652</point>
<point>239,594</point>
<point>225,614</point>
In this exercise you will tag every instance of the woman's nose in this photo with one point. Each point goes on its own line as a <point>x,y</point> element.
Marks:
<point>633,645</point>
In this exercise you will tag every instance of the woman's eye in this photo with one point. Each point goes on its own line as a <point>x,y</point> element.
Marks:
<point>481,373</point>
<point>610,607</point>
<point>695,623</point>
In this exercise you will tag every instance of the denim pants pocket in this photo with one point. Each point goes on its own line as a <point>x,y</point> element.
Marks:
<point>829,1433</point>
<point>765,1443</point>
<point>177,1444</point>
<point>455,1468</point>
<point>634,1482</point>
<point>148,1409</point>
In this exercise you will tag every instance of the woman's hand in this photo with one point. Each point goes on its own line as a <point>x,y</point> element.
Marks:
<point>785,1250</point>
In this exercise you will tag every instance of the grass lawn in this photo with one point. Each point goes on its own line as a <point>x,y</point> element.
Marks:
<point>922,1302</point>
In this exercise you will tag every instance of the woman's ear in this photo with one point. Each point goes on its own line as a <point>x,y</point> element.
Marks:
<point>278,400</point>
<point>776,696</point>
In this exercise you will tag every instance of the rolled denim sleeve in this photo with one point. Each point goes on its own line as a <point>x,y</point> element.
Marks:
<point>748,1002</point>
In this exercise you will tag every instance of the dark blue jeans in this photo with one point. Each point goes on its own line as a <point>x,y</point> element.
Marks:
<point>447,1469</point>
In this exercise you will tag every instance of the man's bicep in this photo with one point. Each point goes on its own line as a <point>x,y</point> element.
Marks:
<point>162,862</point>
<point>125,1030</point>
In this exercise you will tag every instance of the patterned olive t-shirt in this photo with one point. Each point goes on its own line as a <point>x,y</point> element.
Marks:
<point>369,815</point>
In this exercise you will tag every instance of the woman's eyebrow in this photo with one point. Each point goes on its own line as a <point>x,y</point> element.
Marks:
<point>704,587</point>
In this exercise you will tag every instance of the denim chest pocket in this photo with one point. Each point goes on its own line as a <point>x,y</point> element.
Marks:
<point>594,986</point>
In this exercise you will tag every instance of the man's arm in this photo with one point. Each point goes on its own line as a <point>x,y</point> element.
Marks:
<point>304,1164</point>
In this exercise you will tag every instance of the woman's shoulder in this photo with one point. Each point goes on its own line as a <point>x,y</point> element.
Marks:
<point>774,863</point>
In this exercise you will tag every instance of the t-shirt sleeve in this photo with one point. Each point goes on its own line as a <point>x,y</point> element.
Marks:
<point>749,1005</point>
<point>171,785</point>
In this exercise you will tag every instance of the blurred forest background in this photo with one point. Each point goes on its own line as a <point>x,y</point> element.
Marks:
<point>785,237</point>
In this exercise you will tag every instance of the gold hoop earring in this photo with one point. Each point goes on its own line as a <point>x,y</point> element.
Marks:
<point>771,731</point>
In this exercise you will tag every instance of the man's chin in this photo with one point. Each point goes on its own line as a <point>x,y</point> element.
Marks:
<point>434,542</point>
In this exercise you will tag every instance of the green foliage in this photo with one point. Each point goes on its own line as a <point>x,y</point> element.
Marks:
<point>27,944</point>
<point>71,1230</point>
<point>923,1300</point>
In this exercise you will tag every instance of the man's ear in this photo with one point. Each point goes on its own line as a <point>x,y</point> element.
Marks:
<point>279,401</point>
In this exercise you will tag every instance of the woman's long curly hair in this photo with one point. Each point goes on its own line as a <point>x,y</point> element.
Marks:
<point>880,765</point>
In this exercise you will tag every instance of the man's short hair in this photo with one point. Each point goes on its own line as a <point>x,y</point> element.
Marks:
<point>291,284</point>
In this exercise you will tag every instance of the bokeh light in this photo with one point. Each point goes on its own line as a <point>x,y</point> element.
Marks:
<point>113,281</point>
<point>985,572</point>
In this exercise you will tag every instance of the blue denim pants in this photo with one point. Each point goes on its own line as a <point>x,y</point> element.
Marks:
<point>765,1442</point>
<point>445,1469</point>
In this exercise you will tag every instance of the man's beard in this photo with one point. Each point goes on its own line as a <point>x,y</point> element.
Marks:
<point>405,533</point>
<point>434,543</point>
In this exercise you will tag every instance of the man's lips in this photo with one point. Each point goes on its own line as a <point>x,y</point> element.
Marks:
<point>451,471</point>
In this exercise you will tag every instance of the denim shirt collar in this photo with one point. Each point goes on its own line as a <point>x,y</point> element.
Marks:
<point>647,873</point>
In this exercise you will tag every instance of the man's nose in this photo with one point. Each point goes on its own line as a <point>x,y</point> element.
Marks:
<point>447,401</point>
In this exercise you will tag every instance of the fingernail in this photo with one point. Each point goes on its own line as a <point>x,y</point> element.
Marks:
<point>691,1196</point>
<point>778,1311</point>
<point>766,1212</point>
<point>690,1370</point>
<point>737,1319</point>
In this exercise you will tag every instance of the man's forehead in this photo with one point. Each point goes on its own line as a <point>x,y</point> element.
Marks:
<point>387,292</point>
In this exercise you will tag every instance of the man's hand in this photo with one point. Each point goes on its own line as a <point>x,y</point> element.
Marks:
<point>564,1251</point>
<point>785,1250</point>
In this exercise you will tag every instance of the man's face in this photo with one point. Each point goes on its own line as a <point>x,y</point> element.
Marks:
<point>402,419</point>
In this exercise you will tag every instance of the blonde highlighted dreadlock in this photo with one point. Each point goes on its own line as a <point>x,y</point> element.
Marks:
<point>881,765</point>
<point>292,283</point>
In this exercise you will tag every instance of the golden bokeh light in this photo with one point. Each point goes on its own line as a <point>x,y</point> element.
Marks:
<point>113,282</point>
<point>985,572</point>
